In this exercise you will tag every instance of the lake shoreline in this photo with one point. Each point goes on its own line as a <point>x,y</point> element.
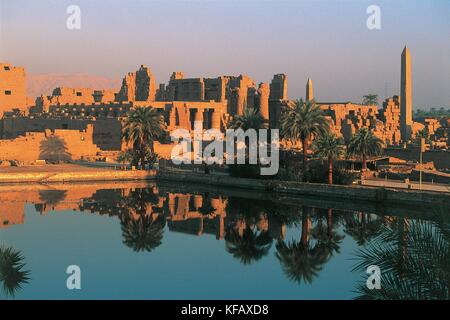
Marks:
<point>71,174</point>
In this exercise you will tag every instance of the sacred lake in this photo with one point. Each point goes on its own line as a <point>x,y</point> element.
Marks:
<point>177,241</point>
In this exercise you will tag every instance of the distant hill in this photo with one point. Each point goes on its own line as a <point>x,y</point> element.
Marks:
<point>38,84</point>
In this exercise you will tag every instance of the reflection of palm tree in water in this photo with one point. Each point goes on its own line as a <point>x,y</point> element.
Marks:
<point>327,238</point>
<point>244,240</point>
<point>144,233</point>
<point>362,227</point>
<point>141,230</point>
<point>414,259</point>
<point>52,198</point>
<point>301,261</point>
<point>12,275</point>
<point>250,245</point>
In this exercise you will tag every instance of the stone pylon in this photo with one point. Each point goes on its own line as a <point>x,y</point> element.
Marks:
<point>406,97</point>
<point>309,90</point>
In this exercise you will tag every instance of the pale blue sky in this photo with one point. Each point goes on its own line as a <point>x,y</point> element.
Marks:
<point>325,40</point>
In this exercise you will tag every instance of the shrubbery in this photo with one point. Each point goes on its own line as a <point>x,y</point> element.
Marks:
<point>252,171</point>
<point>133,157</point>
<point>318,173</point>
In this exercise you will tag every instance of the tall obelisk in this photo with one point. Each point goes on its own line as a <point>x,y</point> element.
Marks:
<point>309,90</point>
<point>406,97</point>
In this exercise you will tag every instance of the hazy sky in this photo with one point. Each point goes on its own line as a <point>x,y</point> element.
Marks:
<point>325,40</point>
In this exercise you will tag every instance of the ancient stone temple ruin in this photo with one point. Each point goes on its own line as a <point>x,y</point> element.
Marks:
<point>96,115</point>
<point>182,101</point>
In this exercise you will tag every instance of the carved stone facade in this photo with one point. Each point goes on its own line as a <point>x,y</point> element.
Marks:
<point>182,101</point>
<point>138,86</point>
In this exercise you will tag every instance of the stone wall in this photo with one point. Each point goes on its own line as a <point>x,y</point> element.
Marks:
<point>12,88</point>
<point>57,145</point>
<point>353,193</point>
<point>106,131</point>
<point>440,158</point>
<point>74,96</point>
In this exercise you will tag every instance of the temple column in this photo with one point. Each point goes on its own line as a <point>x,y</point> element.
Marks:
<point>172,204</point>
<point>221,229</point>
<point>215,119</point>
<point>173,118</point>
<point>198,201</point>
<point>264,92</point>
<point>241,97</point>
<point>199,116</point>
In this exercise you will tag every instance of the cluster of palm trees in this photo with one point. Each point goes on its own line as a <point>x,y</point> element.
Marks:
<point>303,258</point>
<point>305,123</point>
<point>413,254</point>
<point>301,123</point>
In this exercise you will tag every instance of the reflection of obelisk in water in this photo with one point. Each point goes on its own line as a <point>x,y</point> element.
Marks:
<point>309,90</point>
<point>406,97</point>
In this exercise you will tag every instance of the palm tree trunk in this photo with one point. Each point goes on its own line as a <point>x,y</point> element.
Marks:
<point>330,170</point>
<point>305,159</point>
<point>364,165</point>
<point>330,222</point>
<point>143,157</point>
<point>152,146</point>
<point>305,227</point>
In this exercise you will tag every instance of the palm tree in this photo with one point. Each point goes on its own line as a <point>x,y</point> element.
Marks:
<point>364,144</point>
<point>302,122</point>
<point>11,270</point>
<point>329,147</point>
<point>250,119</point>
<point>141,128</point>
<point>126,156</point>
<point>370,99</point>
<point>420,271</point>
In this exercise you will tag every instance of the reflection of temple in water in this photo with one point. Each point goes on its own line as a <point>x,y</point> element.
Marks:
<point>195,214</point>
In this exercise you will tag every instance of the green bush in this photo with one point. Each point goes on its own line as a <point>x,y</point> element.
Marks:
<point>133,157</point>
<point>252,171</point>
<point>318,173</point>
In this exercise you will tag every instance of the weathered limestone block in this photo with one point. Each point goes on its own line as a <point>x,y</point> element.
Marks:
<point>264,93</point>
<point>241,100</point>
<point>278,87</point>
<point>145,85</point>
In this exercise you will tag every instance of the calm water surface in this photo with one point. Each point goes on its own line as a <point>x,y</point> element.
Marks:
<point>185,242</point>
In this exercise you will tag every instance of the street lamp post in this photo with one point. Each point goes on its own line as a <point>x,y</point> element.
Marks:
<point>422,149</point>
